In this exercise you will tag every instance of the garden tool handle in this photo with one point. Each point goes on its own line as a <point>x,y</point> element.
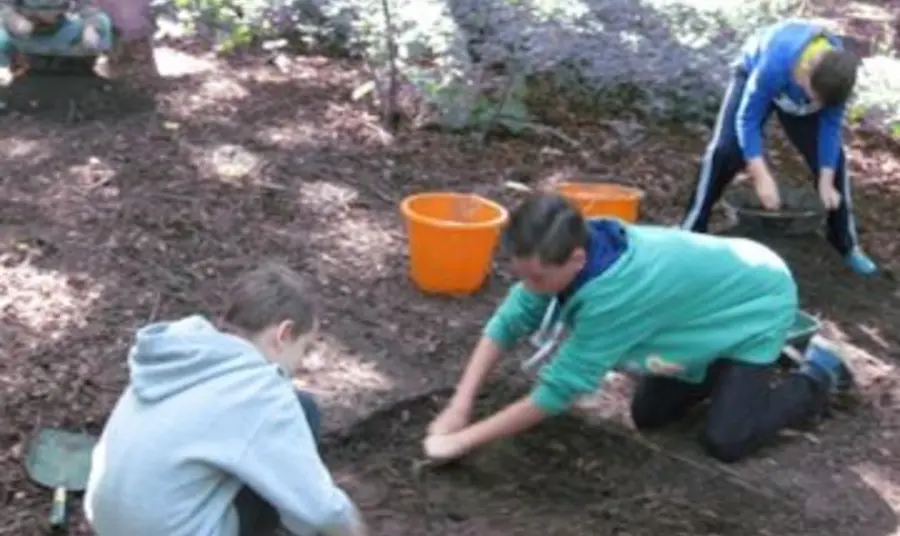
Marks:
<point>58,510</point>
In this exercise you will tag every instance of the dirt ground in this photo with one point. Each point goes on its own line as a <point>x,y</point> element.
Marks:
<point>139,201</point>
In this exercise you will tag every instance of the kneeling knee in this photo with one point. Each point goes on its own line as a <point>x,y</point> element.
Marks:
<point>724,448</point>
<point>645,420</point>
<point>727,150</point>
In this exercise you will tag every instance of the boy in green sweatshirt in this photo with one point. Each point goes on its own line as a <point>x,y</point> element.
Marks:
<point>696,316</point>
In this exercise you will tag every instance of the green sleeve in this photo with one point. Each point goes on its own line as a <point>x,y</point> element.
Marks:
<point>518,316</point>
<point>599,339</point>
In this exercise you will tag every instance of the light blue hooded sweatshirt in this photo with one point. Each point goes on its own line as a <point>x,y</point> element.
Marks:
<point>204,415</point>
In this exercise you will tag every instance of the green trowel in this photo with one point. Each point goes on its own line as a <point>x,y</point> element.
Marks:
<point>60,460</point>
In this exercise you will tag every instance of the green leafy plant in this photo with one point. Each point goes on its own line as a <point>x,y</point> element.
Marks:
<point>667,59</point>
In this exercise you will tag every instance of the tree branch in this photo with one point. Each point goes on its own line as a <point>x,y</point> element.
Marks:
<point>389,105</point>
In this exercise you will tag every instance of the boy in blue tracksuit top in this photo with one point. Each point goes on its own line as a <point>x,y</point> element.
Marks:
<point>799,70</point>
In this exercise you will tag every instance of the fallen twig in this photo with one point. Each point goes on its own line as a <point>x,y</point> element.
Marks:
<point>155,310</point>
<point>390,102</point>
<point>556,133</point>
<point>419,472</point>
<point>611,504</point>
<point>492,120</point>
<point>540,128</point>
<point>385,137</point>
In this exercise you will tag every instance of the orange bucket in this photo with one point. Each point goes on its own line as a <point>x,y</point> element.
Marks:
<point>596,199</point>
<point>452,237</point>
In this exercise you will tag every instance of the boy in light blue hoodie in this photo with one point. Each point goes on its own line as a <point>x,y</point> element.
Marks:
<point>210,437</point>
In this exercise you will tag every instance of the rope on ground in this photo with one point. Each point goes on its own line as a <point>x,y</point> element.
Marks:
<point>712,469</point>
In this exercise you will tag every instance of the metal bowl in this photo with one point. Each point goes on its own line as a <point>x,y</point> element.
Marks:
<point>801,211</point>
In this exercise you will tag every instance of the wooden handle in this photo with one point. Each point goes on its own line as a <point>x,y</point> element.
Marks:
<point>58,510</point>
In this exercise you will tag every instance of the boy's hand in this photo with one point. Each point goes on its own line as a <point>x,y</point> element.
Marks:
<point>359,529</point>
<point>829,195</point>
<point>19,25</point>
<point>444,447</point>
<point>767,190</point>
<point>831,198</point>
<point>452,419</point>
<point>6,76</point>
<point>90,37</point>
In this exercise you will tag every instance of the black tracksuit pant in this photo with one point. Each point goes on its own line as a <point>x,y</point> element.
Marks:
<point>745,412</point>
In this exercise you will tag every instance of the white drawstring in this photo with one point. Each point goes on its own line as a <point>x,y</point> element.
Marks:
<point>546,336</point>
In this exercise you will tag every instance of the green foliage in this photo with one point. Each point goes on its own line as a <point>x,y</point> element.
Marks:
<point>434,64</point>
<point>233,24</point>
<point>667,59</point>
<point>460,105</point>
<point>855,114</point>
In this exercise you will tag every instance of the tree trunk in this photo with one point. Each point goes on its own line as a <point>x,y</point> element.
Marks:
<point>133,19</point>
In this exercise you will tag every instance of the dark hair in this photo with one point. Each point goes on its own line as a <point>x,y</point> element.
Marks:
<point>546,226</point>
<point>267,296</point>
<point>833,77</point>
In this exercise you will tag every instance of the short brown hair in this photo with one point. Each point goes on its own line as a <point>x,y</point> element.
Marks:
<point>834,76</point>
<point>547,226</point>
<point>267,296</point>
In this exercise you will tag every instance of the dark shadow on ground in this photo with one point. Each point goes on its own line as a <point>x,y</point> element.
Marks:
<point>69,99</point>
<point>827,473</point>
<point>569,476</point>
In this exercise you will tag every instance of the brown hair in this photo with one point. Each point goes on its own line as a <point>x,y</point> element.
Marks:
<point>834,76</point>
<point>546,225</point>
<point>269,295</point>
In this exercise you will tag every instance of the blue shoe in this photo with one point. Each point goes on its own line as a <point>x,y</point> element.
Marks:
<point>825,366</point>
<point>860,263</point>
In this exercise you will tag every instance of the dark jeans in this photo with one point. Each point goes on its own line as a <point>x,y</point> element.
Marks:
<point>257,517</point>
<point>745,410</point>
<point>724,159</point>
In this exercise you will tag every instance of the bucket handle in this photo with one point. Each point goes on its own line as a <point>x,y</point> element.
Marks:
<point>464,207</point>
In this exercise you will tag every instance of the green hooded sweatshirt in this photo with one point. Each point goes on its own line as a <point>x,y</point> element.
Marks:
<point>671,304</point>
